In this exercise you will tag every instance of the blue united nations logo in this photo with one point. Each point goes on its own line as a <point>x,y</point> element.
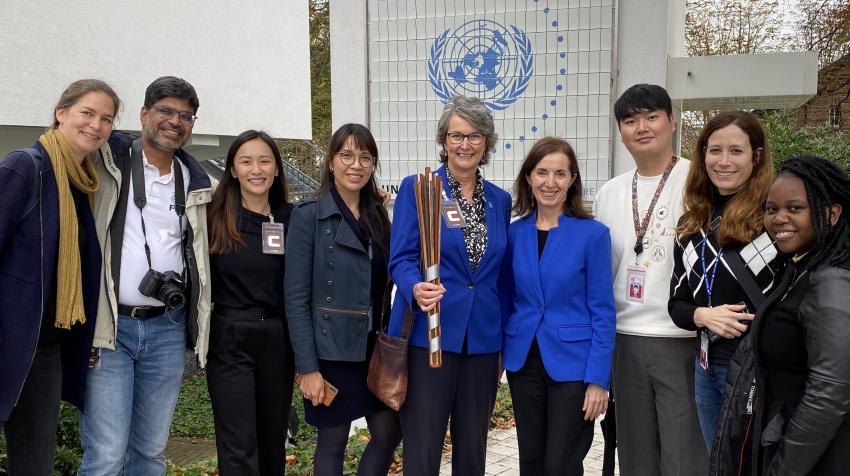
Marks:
<point>483,59</point>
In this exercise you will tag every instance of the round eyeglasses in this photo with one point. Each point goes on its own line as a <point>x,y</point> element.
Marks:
<point>347,158</point>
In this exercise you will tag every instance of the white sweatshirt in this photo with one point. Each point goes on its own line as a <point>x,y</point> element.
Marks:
<point>613,207</point>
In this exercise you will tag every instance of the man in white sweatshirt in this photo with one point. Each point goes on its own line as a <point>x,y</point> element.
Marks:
<point>658,431</point>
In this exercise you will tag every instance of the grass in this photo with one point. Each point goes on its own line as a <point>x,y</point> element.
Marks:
<point>193,419</point>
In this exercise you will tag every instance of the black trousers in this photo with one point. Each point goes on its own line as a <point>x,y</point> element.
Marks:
<point>463,389</point>
<point>552,434</point>
<point>31,429</point>
<point>250,377</point>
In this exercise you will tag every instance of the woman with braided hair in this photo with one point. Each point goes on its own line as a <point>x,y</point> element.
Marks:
<point>801,333</point>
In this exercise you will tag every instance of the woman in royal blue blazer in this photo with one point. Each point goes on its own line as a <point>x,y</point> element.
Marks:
<point>464,388</point>
<point>559,333</point>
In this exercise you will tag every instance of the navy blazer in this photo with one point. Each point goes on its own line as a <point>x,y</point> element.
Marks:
<point>565,299</point>
<point>28,253</point>
<point>470,308</point>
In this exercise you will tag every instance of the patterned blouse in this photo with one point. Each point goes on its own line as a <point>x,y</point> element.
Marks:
<point>475,231</point>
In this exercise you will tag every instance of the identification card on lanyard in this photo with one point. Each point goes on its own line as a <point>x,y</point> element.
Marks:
<point>710,278</point>
<point>636,283</point>
<point>272,237</point>
<point>451,213</point>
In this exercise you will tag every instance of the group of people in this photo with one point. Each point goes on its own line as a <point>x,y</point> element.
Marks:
<point>117,253</point>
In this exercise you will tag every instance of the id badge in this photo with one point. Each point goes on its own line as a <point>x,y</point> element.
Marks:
<point>636,279</point>
<point>273,238</point>
<point>94,358</point>
<point>452,214</point>
<point>703,350</point>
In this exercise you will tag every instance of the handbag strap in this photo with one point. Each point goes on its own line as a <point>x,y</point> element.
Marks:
<point>407,323</point>
<point>745,278</point>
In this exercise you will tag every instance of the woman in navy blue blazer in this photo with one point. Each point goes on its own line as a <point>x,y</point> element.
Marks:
<point>559,333</point>
<point>464,388</point>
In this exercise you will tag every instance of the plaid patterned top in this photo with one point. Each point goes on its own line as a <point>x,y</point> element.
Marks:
<point>687,286</point>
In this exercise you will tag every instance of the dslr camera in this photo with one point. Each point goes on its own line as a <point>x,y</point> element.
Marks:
<point>167,287</point>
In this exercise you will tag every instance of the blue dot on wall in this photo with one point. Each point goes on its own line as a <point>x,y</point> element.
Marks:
<point>533,128</point>
<point>522,138</point>
<point>508,145</point>
<point>559,87</point>
<point>560,39</point>
<point>563,71</point>
<point>555,23</point>
<point>494,150</point>
<point>563,55</point>
<point>552,102</point>
<point>545,116</point>
<point>546,10</point>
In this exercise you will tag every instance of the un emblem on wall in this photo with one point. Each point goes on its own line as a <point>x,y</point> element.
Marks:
<point>484,59</point>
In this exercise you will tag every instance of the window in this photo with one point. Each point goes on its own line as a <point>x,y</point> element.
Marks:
<point>835,115</point>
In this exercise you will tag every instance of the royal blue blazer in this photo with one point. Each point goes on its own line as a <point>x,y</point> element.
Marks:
<point>565,299</point>
<point>470,308</point>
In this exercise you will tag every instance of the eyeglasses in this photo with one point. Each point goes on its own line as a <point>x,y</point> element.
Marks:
<point>347,158</point>
<point>166,112</point>
<point>457,138</point>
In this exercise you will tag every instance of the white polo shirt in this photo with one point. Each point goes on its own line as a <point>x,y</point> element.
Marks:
<point>163,233</point>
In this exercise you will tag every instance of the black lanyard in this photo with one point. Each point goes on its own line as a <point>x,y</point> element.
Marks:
<point>642,225</point>
<point>138,176</point>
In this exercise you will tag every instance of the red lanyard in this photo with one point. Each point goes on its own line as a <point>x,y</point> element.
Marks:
<point>642,225</point>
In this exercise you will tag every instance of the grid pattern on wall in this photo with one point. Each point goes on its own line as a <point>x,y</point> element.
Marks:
<point>544,66</point>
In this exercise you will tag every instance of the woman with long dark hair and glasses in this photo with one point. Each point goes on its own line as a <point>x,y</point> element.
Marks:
<point>336,298</point>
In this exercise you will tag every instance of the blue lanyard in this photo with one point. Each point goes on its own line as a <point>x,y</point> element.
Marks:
<point>709,282</point>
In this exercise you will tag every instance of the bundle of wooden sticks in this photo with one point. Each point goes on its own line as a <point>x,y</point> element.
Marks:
<point>429,189</point>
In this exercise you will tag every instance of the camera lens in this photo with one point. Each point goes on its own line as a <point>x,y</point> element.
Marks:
<point>172,296</point>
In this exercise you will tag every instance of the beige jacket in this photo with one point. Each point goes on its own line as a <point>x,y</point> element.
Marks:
<point>109,168</point>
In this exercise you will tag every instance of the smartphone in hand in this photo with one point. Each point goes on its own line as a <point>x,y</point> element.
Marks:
<point>329,390</point>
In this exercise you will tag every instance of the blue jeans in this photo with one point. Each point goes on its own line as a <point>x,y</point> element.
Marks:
<point>708,391</point>
<point>131,395</point>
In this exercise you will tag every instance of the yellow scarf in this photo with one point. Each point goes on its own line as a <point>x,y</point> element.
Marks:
<point>69,279</point>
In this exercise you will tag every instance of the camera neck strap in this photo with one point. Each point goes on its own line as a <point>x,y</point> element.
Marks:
<point>137,173</point>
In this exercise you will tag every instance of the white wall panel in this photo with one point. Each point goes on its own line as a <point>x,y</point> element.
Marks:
<point>567,92</point>
<point>249,62</point>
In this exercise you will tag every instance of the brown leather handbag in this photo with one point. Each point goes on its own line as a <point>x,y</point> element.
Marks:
<point>387,377</point>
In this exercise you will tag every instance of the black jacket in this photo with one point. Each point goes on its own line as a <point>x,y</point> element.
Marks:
<point>813,436</point>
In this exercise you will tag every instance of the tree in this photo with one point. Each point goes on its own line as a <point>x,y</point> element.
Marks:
<point>307,156</point>
<point>723,27</point>
<point>726,27</point>
<point>823,25</point>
